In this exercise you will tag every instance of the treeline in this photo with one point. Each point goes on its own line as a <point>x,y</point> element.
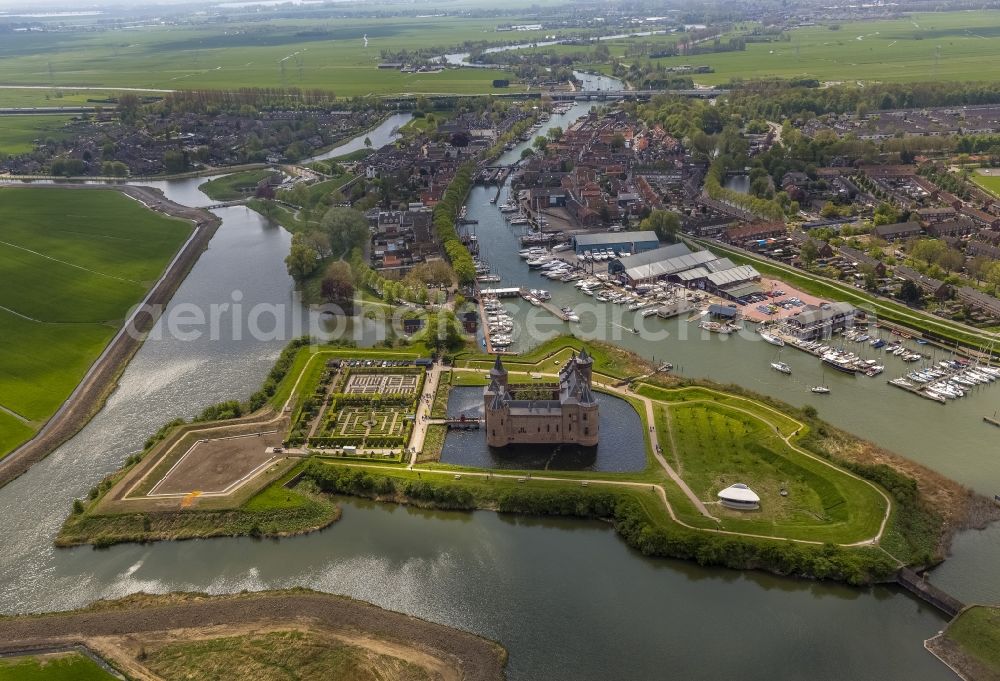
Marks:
<point>445,215</point>
<point>778,99</point>
<point>633,523</point>
<point>259,98</point>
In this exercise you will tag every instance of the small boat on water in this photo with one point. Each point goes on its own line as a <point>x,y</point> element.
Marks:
<point>782,367</point>
<point>820,390</point>
<point>716,327</point>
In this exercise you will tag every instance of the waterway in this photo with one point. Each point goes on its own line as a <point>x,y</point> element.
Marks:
<point>567,598</point>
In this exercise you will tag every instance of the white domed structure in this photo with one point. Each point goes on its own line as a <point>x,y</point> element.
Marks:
<point>739,497</point>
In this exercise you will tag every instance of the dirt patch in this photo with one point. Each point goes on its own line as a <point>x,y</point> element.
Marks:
<point>216,466</point>
<point>119,629</point>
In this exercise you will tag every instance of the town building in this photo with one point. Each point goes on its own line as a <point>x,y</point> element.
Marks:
<point>816,323</point>
<point>619,242</point>
<point>557,413</point>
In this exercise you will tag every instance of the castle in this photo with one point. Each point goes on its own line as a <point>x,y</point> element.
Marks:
<point>565,414</point>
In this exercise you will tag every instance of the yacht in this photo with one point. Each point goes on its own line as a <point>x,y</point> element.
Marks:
<point>771,338</point>
<point>782,367</point>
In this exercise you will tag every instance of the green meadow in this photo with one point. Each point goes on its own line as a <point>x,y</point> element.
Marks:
<point>59,667</point>
<point>71,265</point>
<point>18,133</point>
<point>990,183</point>
<point>921,47</point>
<point>327,54</point>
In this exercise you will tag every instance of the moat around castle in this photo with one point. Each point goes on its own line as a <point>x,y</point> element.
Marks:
<point>621,445</point>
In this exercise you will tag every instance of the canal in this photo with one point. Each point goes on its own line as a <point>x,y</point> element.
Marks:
<point>568,599</point>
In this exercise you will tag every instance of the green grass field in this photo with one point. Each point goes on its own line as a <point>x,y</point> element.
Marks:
<point>920,47</point>
<point>282,53</point>
<point>71,265</point>
<point>990,183</point>
<point>54,97</point>
<point>18,133</point>
<point>977,632</point>
<point>235,186</point>
<point>58,667</point>
<point>718,446</point>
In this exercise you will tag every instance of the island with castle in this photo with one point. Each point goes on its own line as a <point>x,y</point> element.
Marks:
<point>554,413</point>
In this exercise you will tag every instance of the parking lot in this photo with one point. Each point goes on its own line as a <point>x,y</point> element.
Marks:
<point>779,301</point>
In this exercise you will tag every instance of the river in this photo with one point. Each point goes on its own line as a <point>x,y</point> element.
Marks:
<point>568,599</point>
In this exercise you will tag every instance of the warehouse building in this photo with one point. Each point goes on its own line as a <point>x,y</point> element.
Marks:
<point>619,242</point>
<point>701,270</point>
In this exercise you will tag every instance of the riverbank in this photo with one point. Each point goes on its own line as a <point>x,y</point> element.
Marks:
<point>90,394</point>
<point>970,645</point>
<point>142,635</point>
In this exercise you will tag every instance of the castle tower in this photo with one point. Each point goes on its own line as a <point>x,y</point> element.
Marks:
<point>499,374</point>
<point>495,407</point>
<point>585,364</point>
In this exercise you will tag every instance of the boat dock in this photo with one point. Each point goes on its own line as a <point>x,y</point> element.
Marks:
<point>920,393</point>
<point>555,310</point>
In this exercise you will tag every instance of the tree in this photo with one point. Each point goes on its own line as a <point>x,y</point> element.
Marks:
<point>346,229</point>
<point>302,259</point>
<point>338,282</point>
<point>368,142</point>
<point>909,293</point>
<point>808,253</point>
<point>665,223</point>
<point>993,276</point>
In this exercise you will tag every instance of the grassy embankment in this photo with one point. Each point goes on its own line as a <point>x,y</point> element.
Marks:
<point>971,643</point>
<point>279,655</point>
<point>235,186</point>
<point>52,667</point>
<point>18,133</point>
<point>884,309</point>
<point>72,263</point>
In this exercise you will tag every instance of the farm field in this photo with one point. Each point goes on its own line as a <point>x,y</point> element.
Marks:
<point>71,265</point>
<point>56,667</point>
<point>55,97</point>
<point>18,133</point>
<point>306,54</point>
<point>945,46</point>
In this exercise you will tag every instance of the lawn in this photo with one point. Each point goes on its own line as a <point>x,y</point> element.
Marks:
<point>18,133</point>
<point>13,432</point>
<point>71,265</point>
<point>717,446</point>
<point>235,186</point>
<point>56,667</point>
<point>990,183</point>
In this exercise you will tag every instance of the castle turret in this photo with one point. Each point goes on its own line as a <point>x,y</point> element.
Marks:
<point>586,365</point>
<point>499,374</point>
